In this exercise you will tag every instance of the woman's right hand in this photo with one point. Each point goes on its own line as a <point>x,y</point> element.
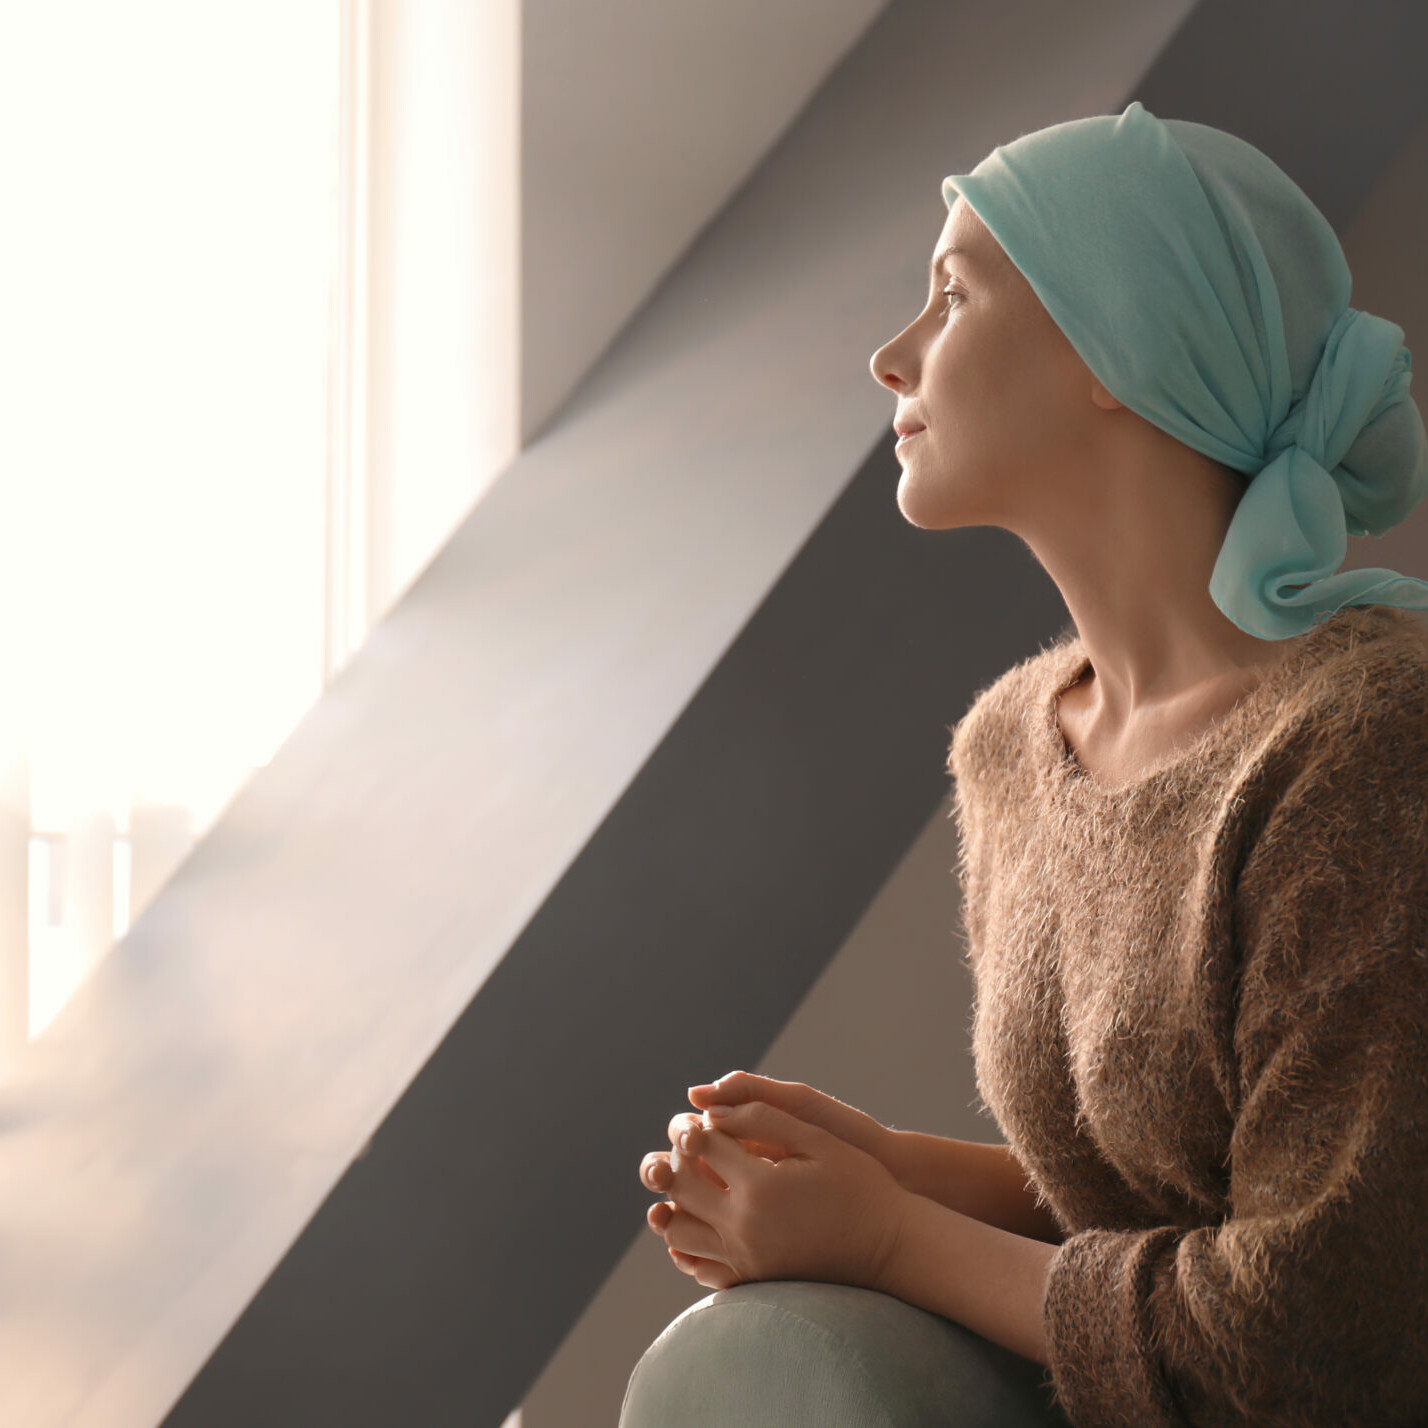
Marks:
<point>816,1107</point>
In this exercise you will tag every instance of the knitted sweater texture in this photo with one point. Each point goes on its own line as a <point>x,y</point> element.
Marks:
<point>1201,1022</point>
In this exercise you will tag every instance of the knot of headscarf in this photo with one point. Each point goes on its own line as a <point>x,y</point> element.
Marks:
<point>1289,533</point>
<point>1207,293</point>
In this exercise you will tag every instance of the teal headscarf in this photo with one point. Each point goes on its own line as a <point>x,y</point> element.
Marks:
<point>1207,293</point>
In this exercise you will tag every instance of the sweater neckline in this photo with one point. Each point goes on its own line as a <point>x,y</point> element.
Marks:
<point>1338,630</point>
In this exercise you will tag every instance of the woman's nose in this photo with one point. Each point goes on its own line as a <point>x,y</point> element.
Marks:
<point>884,371</point>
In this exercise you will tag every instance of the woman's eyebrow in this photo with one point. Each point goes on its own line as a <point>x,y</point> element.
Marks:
<point>950,251</point>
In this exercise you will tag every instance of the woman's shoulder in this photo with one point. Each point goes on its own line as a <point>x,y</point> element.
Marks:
<point>1335,869</point>
<point>1365,697</point>
<point>1347,742</point>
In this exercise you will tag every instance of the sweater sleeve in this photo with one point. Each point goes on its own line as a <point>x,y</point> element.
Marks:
<point>1307,1303</point>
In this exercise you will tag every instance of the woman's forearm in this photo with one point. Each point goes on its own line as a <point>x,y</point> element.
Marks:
<point>981,1276</point>
<point>985,1182</point>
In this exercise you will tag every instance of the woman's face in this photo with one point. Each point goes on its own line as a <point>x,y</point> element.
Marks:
<point>1003,399</point>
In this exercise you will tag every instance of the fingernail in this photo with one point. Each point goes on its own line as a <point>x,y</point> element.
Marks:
<point>684,1139</point>
<point>707,1086</point>
<point>718,1112</point>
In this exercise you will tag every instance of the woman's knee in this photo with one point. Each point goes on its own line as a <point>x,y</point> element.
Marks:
<point>792,1352</point>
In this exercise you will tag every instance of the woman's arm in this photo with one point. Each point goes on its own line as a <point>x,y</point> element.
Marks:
<point>993,1281</point>
<point>985,1182</point>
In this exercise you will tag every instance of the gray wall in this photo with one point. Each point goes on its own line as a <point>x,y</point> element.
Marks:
<point>1384,246</point>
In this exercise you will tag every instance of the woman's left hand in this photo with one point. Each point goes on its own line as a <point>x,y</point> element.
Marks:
<point>819,1209</point>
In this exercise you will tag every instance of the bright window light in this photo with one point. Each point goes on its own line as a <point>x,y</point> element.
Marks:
<point>170,179</point>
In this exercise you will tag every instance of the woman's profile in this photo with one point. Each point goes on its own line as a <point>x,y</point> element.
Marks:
<point>1193,859</point>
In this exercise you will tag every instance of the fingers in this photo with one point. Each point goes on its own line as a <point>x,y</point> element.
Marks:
<point>680,1238</point>
<point>678,1126</point>
<point>796,1097</point>
<point>690,1182</point>
<point>693,1244</point>
<point>723,1154</point>
<point>690,1235</point>
<point>775,1131</point>
<point>655,1172</point>
<point>658,1167</point>
<point>681,1123</point>
<point>711,1273</point>
<point>739,1086</point>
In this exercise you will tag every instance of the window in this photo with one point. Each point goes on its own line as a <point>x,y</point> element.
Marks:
<point>167,295</point>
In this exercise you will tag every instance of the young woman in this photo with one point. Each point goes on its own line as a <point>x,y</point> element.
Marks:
<point>1194,859</point>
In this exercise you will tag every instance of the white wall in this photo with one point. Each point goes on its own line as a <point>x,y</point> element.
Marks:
<point>443,340</point>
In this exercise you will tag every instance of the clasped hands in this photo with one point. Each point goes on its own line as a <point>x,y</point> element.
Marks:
<point>774,1180</point>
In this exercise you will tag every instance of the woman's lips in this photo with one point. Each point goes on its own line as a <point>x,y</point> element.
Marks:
<point>910,435</point>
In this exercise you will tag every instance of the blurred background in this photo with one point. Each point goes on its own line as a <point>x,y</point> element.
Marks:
<point>466,676</point>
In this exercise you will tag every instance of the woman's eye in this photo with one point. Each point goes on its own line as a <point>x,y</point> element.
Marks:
<point>949,294</point>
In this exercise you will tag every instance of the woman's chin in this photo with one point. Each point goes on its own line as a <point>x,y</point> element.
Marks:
<point>928,515</point>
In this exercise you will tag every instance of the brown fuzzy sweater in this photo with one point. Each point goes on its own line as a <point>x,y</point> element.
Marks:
<point>1201,1022</point>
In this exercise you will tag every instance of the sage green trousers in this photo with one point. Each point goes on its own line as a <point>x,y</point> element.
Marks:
<point>798,1354</point>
